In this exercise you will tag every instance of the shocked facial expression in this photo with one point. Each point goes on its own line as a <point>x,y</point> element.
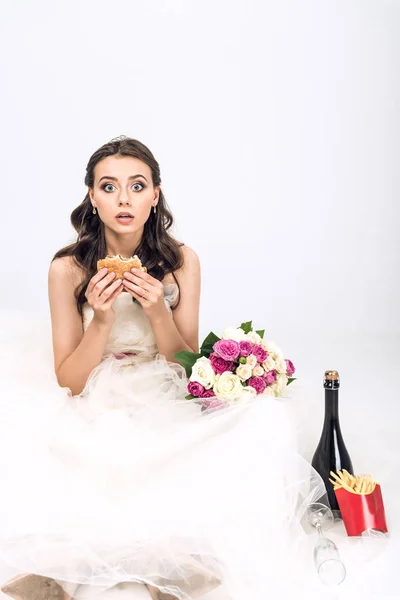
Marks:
<point>123,193</point>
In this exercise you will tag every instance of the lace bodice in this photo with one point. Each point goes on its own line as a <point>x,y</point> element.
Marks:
<point>131,331</point>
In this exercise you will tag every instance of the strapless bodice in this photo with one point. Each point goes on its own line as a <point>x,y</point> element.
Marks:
<point>132,331</point>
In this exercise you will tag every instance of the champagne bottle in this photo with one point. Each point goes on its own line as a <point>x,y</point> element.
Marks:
<point>331,453</point>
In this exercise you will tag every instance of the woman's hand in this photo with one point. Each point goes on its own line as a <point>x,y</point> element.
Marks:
<point>147,290</point>
<point>101,293</point>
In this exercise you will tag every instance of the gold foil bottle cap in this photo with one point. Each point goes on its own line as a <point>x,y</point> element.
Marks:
<point>331,375</point>
<point>331,379</point>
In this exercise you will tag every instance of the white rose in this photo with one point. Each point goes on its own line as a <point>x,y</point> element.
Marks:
<point>281,365</point>
<point>253,337</point>
<point>227,386</point>
<point>258,371</point>
<point>269,364</point>
<point>269,391</point>
<point>203,373</point>
<point>272,348</point>
<point>251,360</point>
<point>231,333</point>
<point>279,386</point>
<point>244,372</point>
<point>248,392</point>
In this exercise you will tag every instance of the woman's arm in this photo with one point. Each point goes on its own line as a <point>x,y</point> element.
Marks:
<point>180,331</point>
<point>76,353</point>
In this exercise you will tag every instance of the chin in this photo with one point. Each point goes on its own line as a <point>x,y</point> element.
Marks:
<point>121,229</point>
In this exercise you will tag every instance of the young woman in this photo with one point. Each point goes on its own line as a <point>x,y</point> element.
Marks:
<point>123,212</point>
<point>114,485</point>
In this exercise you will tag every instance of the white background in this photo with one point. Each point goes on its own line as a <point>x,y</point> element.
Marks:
<point>276,125</point>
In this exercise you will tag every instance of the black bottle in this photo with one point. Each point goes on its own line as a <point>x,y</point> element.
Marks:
<point>331,453</point>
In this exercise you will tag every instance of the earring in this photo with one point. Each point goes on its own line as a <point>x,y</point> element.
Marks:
<point>94,211</point>
<point>155,210</point>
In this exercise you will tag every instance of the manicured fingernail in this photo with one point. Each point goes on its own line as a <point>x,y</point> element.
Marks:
<point>133,270</point>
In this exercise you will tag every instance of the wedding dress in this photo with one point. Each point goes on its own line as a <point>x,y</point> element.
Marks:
<point>131,483</point>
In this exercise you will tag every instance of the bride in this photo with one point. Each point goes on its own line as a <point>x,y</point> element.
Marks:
<point>115,485</point>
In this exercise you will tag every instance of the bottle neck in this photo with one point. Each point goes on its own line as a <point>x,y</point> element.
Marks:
<point>331,405</point>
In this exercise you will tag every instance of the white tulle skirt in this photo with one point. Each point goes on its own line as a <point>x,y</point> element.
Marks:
<point>130,482</point>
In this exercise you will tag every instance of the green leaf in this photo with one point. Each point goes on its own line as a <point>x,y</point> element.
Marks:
<point>261,332</point>
<point>189,397</point>
<point>187,360</point>
<point>290,379</point>
<point>208,344</point>
<point>247,327</point>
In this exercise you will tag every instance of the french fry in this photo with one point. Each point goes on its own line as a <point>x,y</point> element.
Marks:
<point>357,484</point>
<point>347,477</point>
<point>341,482</point>
<point>350,477</point>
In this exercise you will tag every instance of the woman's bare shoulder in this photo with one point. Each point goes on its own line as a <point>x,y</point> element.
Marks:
<point>190,262</point>
<point>65,271</point>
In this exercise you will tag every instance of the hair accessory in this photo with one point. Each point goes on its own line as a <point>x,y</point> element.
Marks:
<point>119,138</point>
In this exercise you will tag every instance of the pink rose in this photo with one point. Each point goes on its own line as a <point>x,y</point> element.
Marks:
<point>260,353</point>
<point>258,383</point>
<point>227,349</point>
<point>245,348</point>
<point>270,377</point>
<point>289,368</point>
<point>208,394</point>
<point>219,364</point>
<point>195,388</point>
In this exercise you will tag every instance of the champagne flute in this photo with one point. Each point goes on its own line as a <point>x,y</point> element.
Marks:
<point>330,568</point>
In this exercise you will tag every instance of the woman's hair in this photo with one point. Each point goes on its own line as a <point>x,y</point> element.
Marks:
<point>158,250</point>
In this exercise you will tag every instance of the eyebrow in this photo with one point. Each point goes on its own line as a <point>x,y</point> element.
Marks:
<point>129,178</point>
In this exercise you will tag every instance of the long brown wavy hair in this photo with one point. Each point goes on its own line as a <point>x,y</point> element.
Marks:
<point>158,250</point>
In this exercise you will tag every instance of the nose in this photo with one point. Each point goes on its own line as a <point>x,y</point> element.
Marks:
<point>123,200</point>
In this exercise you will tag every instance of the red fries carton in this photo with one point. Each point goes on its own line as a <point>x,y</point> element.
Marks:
<point>361,511</point>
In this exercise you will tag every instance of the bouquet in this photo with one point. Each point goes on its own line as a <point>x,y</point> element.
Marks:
<point>239,365</point>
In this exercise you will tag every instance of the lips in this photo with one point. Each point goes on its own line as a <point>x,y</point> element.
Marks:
<point>124,218</point>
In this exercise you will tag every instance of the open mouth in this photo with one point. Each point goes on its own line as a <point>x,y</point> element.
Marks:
<point>124,217</point>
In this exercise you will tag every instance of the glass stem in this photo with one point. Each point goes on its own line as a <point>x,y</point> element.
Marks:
<point>318,527</point>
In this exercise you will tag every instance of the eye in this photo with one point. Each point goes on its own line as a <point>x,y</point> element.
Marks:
<point>103,187</point>
<point>141,186</point>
